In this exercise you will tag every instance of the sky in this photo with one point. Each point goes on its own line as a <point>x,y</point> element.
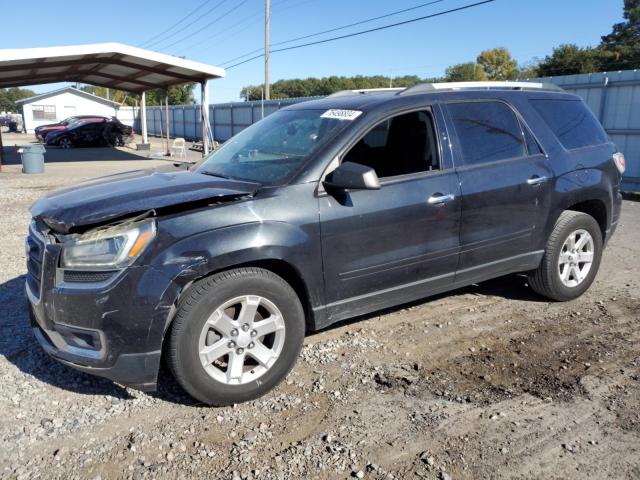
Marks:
<point>223,29</point>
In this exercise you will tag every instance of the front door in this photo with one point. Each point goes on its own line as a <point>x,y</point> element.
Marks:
<point>393,245</point>
<point>504,178</point>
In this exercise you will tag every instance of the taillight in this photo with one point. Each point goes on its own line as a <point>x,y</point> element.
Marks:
<point>618,159</point>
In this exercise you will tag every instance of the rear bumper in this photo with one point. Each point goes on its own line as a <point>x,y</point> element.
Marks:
<point>615,216</point>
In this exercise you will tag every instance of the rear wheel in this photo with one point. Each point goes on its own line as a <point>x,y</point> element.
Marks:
<point>571,259</point>
<point>235,336</point>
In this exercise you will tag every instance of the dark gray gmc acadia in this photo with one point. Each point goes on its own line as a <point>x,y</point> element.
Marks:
<point>322,211</point>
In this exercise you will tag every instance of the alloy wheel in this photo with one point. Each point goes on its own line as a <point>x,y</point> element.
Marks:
<point>241,340</point>
<point>576,258</point>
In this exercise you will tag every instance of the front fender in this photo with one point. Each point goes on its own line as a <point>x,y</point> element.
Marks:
<point>199,255</point>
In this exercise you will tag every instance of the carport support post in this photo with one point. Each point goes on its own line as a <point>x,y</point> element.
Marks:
<point>1,150</point>
<point>204,113</point>
<point>143,117</point>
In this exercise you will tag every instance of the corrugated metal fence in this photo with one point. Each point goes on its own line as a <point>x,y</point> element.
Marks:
<point>226,119</point>
<point>613,97</point>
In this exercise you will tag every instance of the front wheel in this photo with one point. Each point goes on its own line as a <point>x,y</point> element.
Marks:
<point>236,335</point>
<point>65,142</point>
<point>571,258</point>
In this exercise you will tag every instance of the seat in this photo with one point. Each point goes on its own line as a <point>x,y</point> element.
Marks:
<point>179,148</point>
<point>406,145</point>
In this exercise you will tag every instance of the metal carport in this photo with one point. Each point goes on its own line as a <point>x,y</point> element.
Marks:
<point>112,65</point>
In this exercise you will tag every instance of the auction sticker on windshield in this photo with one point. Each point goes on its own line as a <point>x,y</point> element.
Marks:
<point>341,114</point>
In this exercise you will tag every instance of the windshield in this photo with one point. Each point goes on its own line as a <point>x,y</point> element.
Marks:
<point>271,150</point>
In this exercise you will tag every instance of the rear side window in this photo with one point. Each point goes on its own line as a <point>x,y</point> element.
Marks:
<point>487,131</point>
<point>572,122</point>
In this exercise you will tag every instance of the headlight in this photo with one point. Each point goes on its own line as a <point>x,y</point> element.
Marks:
<point>114,247</point>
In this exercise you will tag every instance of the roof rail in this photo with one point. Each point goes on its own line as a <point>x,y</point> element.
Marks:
<point>503,85</point>
<point>362,91</point>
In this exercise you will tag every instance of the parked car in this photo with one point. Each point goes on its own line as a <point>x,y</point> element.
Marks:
<point>322,211</point>
<point>92,134</point>
<point>43,130</point>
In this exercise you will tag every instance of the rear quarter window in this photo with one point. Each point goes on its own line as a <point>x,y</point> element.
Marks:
<point>571,121</point>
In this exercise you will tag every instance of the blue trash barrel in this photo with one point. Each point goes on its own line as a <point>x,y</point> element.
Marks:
<point>32,157</point>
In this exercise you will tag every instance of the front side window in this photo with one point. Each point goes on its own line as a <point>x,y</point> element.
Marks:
<point>44,112</point>
<point>270,151</point>
<point>571,121</point>
<point>400,145</point>
<point>487,131</point>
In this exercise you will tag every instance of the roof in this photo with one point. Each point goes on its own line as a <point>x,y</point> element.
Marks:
<point>112,65</point>
<point>389,98</point>
<point>73,90</point>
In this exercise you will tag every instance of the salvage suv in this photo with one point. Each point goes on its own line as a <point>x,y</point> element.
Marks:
<point>324,210</point>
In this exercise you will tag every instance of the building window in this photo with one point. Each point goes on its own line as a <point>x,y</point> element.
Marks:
<point>44,112</point>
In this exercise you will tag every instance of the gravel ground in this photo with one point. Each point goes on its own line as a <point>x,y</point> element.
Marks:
<point>490,381</point>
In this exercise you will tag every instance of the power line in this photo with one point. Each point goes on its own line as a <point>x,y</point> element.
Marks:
<point>259,13</point>
<point>362,32</point>
<point>253,17</point>
<point>181,30</point>
<point>207,25</point>
<point>175,24</point>
<point>372,19</point>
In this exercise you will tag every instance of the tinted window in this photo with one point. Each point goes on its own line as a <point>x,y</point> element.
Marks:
<point>572,122</point>
<point>487,131</point>
<point>532,145</point>
<point>401,145</point>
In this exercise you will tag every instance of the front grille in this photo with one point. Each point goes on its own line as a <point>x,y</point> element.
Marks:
<point>35,253</point>
<point>80,276</point>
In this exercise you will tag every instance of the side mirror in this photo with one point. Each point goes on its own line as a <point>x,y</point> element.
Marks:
<point>352,176</point>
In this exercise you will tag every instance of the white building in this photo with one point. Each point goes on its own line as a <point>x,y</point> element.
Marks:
<point>55,106</point>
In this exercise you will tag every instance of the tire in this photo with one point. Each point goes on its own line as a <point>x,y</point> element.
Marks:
<point>559,282</point>
<point>65,142</point>
<point>203,323</point>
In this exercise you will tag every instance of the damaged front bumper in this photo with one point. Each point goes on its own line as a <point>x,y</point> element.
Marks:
<point>112,328</point>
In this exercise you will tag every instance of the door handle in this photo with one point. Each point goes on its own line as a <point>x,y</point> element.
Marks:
<point>536,180</point>
<point>439,199</point>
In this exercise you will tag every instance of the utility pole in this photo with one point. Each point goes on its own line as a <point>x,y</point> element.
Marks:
<point>267,21</point>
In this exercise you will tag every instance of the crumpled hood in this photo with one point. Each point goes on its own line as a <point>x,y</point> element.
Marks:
<point>116,196</point>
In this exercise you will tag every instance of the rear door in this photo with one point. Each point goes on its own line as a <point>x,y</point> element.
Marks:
<point>89,134</point>
<point>504,178</point>
<point>388,246</point>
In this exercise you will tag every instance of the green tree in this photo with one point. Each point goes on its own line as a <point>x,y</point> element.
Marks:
<point>119,96</point>
<point>464,72</point>
<point>178,95</point>
<point>9,96</point>
<point>620,50</point>
<point>498,64</point>
<point>568,59</point>
<point>309,87</point>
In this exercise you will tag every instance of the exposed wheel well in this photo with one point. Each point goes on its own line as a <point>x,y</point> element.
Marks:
<point>596,209</point>
<point>280,268</point>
